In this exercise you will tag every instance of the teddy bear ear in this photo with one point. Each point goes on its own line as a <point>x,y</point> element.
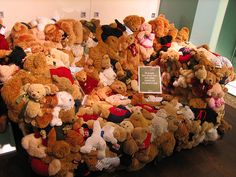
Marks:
<point>142,20</point>
<point>48,89</point>
<point>26,87</point>
<point>49,28</point>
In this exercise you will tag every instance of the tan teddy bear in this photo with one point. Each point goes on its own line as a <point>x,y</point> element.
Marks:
<point>74,30</point>
<point>134,22</point>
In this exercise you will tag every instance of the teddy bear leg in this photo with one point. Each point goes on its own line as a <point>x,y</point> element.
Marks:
<point>54,167</point>
<point>3,123</point>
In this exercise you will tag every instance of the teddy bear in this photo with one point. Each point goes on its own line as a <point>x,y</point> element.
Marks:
<point>41,22</point>
<point>65,102</point>
<point>211,78</point>
<point>3,42</point>
<point>197,103</point>
<point>118,99</point>
<point>160,26</point>
<point>6,72</point>
<point>118,87</point>
<point>74,30</point>
<point>58,56</point>
<point>202,59</point>
<point>107,77</point>
<point>200,72</point>
<point>130,54</point>
<point>36,64</point>
<point>133,22</point>
<point>137,119</point>
<point>34,145</point>
<point>61,150</point>
<point>216,97</point>
<point>53,33</point>
<point>86,82</point>
<point>95,141</point>
<point>182,35</point>
<point>146,37</point>
<point>159,124</point>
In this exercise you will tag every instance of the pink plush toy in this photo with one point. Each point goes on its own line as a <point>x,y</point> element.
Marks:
<point>6,71</point>
<point>216,102</point>
<point>146,38</point>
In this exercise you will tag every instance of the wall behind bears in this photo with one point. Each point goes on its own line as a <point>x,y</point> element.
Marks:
<point>26,10</point>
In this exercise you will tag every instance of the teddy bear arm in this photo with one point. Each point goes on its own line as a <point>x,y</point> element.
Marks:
<point>54,167</point>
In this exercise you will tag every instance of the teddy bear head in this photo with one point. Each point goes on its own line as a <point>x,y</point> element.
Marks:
<point>211,78</point>
<point>118,87</point>
<point>140,134</point>
<point>134,22</point>
<point>106,62</point>
<point>182,35</point>
<point>36,64</point>
<point>197,103</point>
<point>33,145</point>
<point>146,27</point>
<point>53,33</point>
<point>81,76</point>
<point>127,125</point>
<point>36,91</point>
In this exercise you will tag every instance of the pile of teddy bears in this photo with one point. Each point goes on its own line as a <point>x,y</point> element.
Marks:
<point>72,86</point>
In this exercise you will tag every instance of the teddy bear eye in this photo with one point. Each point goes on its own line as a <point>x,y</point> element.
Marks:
<point>69,99</point>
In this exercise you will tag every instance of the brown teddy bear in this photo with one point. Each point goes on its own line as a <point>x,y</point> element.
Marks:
<point>73,29</point>
<point>134,22</point>
<point>137,119</point>
<point>182,35</point>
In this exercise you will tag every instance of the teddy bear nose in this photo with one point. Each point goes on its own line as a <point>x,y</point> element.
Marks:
<point>33,94</point>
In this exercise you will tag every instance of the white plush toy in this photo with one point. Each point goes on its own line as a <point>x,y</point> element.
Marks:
<point>108,135</point>
<point>158,126</point>
<point>211,135</point>
<point>60,56</point>
<point>34,146</point>
<point>108,163</point>
<point>107,77</point>
<point>95,142</point>
<point>118,99</point>
<point>41,22</point>
<point>66,102</point>
<point>186,112</point>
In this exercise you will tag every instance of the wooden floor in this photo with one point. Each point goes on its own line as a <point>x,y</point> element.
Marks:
<point>215,160</point>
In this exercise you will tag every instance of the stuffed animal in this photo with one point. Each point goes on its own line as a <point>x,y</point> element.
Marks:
<point>200,72</point>
<point>118,87</point>
<point>41,22</point>
<point>146,37</point>
<point>3,42</point>
<point>95,141</point>
<point>73,29</point>
<point>34,145</point>
<point>137,119</point>
<point>6,72</point>
<point>133,22</point>
<point>118,99</point>
<point>65,102</point>
<point>107,77</point>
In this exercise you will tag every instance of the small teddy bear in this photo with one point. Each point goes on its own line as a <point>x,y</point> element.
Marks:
<point>65,102</point>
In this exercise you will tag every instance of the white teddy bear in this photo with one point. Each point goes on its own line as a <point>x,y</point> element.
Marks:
<point>66,102</point>
<point>107,77</point>
<point>95,142</point>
